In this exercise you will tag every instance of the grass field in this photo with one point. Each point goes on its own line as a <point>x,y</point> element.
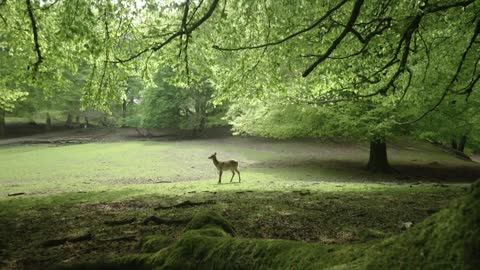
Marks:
<point>299,190</point>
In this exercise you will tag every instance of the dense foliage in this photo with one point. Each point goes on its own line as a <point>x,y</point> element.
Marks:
<point>363,69</point>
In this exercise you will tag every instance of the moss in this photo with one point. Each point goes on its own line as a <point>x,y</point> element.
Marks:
<point>370,234</point>
<point>154,243</point>
<point>449,239</point>
<point>210,219</point>
<point>197,251</point>
<point>132,262</point>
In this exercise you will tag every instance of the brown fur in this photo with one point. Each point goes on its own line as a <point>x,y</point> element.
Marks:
<point>221,166</point>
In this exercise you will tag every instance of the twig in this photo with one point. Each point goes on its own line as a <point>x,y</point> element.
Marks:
<point>179,33</point>
<point>15,194</point>
<point>452,81</point>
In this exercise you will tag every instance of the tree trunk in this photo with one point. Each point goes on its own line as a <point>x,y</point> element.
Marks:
<point>124,113</point>
<point>461,143</point>
<point>2,123</point>
<point>105,121</point>
<point>68,123</point>
<point>48,121</point>
<point>454,143</point>
<point>77,120</point>
<point>86,122</point>
<point>378,161</point>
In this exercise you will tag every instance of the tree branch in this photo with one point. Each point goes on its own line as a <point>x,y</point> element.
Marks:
<point>312,26</point>
<point>4,20</point>
<point>409,82</point>
<point>177,34</point>
<point>197,7</point>
<point>435,8</point>
<point>336,42</point>
<point>35,37</point>
<point>453,80</point>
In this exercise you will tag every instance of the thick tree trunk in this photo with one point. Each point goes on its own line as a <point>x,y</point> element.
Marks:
<point>48,122</point>
<point>378,161</point>
<point>461,143</point>
<point>454,143</point>
<point>69,121</point>
<point>105,121</point>
<point>2,123</point>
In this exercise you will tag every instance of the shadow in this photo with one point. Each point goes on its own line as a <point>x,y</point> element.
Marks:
<point>173,134</point>
<point>434,171</point>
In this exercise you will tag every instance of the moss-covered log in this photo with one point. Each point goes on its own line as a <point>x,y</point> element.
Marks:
<point>449,239</point>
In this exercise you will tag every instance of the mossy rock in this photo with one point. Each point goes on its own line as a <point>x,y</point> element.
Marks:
<point>210,219</point>
<point>154,243</point>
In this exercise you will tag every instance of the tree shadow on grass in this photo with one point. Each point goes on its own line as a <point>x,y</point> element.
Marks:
<point>408,172</point>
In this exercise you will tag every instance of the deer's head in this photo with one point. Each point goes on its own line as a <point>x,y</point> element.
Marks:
<point>213,156</point>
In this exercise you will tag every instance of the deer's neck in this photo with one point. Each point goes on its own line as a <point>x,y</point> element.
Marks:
<point>215,161</point>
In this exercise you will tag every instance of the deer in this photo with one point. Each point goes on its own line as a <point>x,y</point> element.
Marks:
<point>221,166</point>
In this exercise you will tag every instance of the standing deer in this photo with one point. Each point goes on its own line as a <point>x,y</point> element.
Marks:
<point>231,165</point>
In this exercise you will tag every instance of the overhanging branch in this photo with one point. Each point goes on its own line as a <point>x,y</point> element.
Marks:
<point>436,8</point>
<point>280,41</point>
<point>35,37</point>
<point>453,80</point>
<point>186,31</point>
<point>336,42</point>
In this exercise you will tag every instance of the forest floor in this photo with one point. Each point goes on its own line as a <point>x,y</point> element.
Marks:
<point>88,194</point>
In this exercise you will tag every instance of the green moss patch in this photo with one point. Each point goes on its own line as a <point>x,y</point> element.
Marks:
<point>154,243</point>
<point>210,219</point>
<point>449,239</point>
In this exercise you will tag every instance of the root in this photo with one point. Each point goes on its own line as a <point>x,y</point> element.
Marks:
<point>185,204</point>
<point>119,222</point>
<point>61,241</point>
<point>166,221</point>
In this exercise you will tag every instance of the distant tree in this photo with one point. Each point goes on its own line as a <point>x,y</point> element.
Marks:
<point>168,106</point>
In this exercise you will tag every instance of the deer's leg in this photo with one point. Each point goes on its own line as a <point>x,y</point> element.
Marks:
<point>233,174</point>
<point>220,177</point>
<point>239,180</point>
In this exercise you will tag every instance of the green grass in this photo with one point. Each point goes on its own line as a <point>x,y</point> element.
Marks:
<point>45,168</point>
<point>300,191</point>
<point>448,240</point>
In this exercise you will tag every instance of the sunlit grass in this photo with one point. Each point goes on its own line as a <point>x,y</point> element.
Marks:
<point>38,169</point>
<point>318,193</point>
